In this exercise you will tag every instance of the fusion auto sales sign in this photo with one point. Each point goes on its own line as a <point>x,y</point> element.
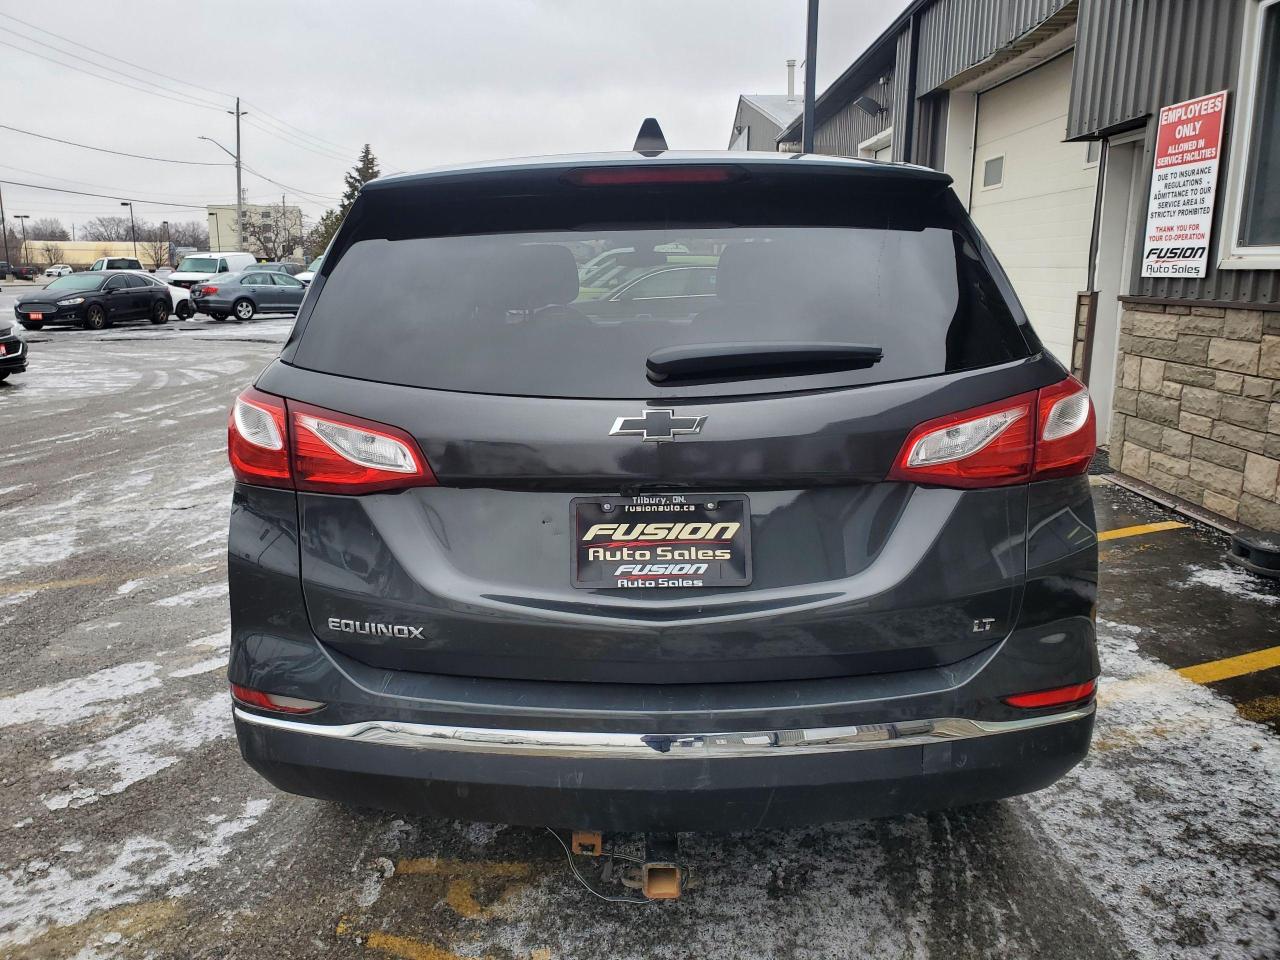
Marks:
<point>1184,183</point>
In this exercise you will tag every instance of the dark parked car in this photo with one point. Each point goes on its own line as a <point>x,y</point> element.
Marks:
<point>94,301</point>
<point>27,272</point>
<point>13,351</point>
<point>292,269</point>
<point>243,294</point>
<point>822,548</point>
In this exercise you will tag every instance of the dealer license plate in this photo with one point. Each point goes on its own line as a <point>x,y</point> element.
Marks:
<point>662,541</point>
<point>35,316</point>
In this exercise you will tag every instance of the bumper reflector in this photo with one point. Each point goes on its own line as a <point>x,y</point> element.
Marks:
<point>1057,697</point>
<point>272,701</point>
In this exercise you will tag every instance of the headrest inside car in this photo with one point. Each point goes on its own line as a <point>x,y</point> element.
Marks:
<point>533,275</point>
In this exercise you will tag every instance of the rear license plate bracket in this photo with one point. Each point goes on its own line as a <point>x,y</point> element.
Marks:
<point>661,541</point>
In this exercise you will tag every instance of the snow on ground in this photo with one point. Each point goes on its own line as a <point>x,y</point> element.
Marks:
<point>1194,791</point>
<point>1233,581</point>
<point>71,700</point>
<point>37,894</point>
<point>140,751</point>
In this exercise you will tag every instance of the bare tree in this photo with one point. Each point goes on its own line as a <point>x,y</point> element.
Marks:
<point>192,233</point>
<point>155,248</point>
<point>107,228</point>
<point>51,252</point>
<point>276,230</point>
<point>47,228</point>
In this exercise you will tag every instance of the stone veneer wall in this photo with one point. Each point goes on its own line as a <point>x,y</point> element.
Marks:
<point>1197,407</point>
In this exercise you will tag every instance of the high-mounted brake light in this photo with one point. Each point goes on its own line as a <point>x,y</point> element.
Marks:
<point>1057,697</point>
<point>272,701</point>
<point>627,176</point>
<point>1033,436</point>
<point>272,442</point>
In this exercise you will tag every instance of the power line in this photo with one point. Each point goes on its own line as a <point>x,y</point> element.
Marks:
<point>118,153</point>
<point>149,77</point>
<point>106,196</point>
<point>284,123</point>
<point>177,198</point>
<point>294,141</point>
<point>98,76</point>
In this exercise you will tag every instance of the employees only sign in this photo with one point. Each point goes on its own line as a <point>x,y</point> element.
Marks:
<point>1184,183</point>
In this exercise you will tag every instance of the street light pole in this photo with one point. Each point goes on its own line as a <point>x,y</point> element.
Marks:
<point>133,227</point>
<point>22,251</point>
<point>810,76</point>
<point>168,244</point>
<point>239,197</point>
<point>4,230</point>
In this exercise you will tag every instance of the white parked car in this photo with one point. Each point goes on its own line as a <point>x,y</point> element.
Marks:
<point>180,296</point>
<point>306,275</point>
<point>199,267</point>
<point>58,270</point>
<point>118,263</point>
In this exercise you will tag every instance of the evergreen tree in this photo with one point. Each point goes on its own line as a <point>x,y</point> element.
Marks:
<point>366,169</point>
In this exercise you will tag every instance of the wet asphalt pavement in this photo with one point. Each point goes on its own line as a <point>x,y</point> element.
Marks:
<point>129,827</point>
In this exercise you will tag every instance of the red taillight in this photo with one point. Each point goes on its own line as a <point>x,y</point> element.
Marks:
<point>1057,697</point>
<point>258,440</point>
<point>627,176</point>
<point>273,701</point>
<point>1034,436</point>
<point>208,290</point>
<point>337,453</point>
<point>1067,430</point>
<point>272,442</point>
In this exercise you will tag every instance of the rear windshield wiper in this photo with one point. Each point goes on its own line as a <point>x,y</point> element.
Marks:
<point>742,361</point>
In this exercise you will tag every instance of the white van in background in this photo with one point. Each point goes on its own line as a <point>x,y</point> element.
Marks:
<point>199,267</point>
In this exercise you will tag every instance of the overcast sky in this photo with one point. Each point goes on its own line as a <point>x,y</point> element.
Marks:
<point>424,82</point>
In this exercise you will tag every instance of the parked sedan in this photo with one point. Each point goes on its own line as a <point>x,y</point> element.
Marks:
<point>292,269</point>
<point>94,301</point>
<point>13,351</point>
<point>251,291</point>
<point>180,297</point>
<point>58,270</point>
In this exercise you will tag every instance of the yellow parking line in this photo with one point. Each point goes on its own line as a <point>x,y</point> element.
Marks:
<point>1140,529</point>
<point>1230,667</point>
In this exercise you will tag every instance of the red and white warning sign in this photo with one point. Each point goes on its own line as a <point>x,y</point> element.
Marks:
<point>1184,183</point>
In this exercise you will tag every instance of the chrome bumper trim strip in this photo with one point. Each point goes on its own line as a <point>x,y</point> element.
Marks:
<point>556,743</point>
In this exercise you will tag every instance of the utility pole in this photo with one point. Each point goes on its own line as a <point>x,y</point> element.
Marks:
<point>4,230</point>
<point>168,244</point>
<point>810,75</point>
<point>239,193</point>
<point>22,251</point>
<point>133,227</point>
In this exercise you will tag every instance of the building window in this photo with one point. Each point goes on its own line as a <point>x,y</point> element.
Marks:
<point>1092,153</point>
<point>993,172</point>
<point>1251,225</point>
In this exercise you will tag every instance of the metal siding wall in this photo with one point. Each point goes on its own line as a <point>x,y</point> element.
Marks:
<point>901,91</point>
<point>843,132</point>
<point>957,34</point>
<point>1132,59</point>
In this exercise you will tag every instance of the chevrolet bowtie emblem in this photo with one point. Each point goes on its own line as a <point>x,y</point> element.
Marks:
<point>656,425</point>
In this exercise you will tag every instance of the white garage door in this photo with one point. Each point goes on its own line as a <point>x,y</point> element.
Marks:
<point>1033,196</point>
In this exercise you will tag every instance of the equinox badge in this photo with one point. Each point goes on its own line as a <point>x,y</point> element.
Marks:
<point>656,424</point>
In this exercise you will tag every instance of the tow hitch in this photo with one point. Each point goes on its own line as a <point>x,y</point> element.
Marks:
<point>659,875</point>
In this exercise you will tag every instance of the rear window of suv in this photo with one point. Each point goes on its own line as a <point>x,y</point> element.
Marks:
<point>412,296</point>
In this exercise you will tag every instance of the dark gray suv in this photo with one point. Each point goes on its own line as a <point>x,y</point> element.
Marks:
<point>814,544</point>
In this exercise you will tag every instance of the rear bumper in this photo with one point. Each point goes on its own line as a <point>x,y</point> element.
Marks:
<point>713,783</point>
